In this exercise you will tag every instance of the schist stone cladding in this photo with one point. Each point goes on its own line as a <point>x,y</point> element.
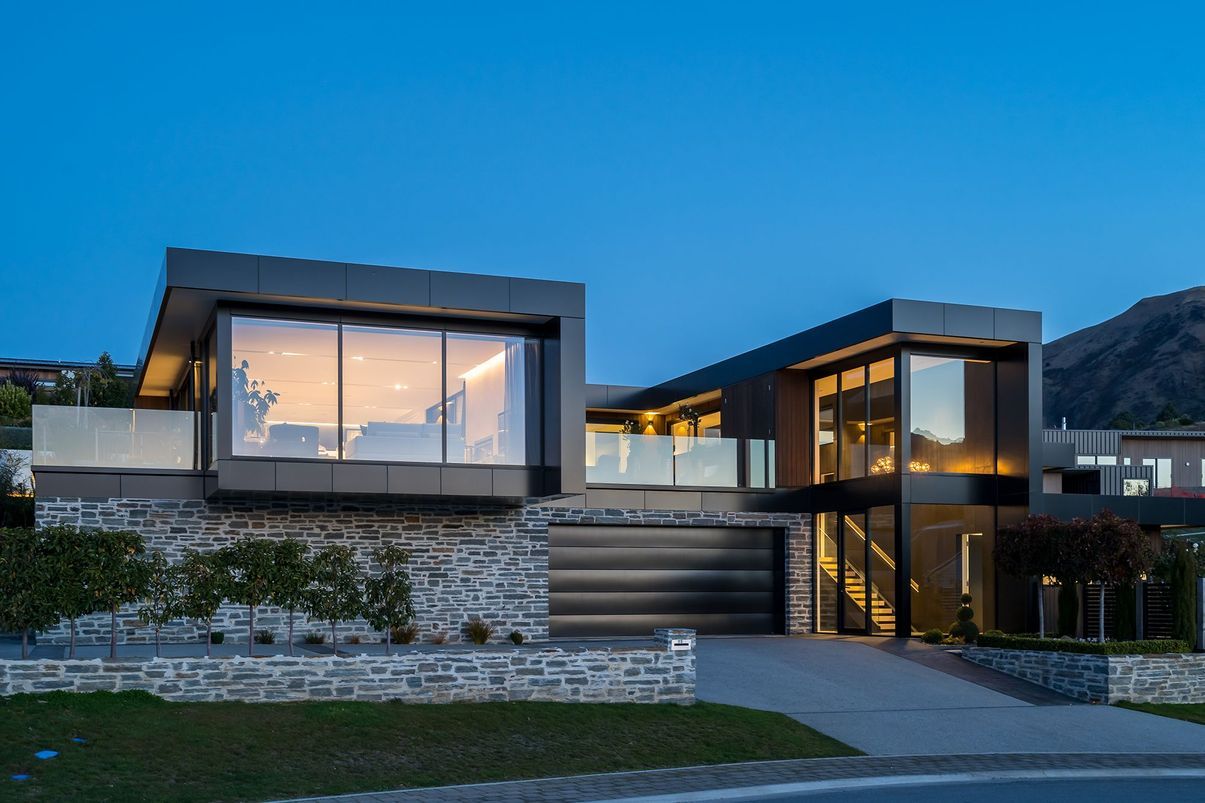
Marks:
<point>466,560</point>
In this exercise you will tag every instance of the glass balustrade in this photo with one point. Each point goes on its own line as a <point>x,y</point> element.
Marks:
<point>113,438</point>
<point>615,458</point>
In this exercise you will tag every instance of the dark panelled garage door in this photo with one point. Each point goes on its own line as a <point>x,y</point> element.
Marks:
<point>625,581</point>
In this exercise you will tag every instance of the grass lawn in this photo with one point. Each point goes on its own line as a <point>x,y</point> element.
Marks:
<point>142,748</point>
<point>1191,712</point>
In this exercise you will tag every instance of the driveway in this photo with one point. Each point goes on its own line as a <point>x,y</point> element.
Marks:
<point>886,704</point>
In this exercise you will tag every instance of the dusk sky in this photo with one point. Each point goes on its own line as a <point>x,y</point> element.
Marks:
<point>719,176</point>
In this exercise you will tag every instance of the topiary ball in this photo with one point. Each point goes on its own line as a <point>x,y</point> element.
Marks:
<point>966,599</point>
<point>965,614</point>
<point>932,636</point>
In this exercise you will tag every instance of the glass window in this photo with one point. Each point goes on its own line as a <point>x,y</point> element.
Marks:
<point>1085,460</point>
<point>951,555</point>
<point>1130,487</point>
<point>881,426</point>
<point>883,605</point>
<point>392,394</point>
<point>853,423</point>
<point>953,415</point>
<point>825,394</point>
<point>826,572</point>
<point>285,396</point>
<point>1106,460</point>
<point>486,401</point>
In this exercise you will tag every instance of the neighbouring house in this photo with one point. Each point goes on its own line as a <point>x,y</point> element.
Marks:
<point>848,478</point>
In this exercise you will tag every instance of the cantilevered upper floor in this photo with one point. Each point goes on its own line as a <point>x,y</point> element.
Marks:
<point>274,375</point>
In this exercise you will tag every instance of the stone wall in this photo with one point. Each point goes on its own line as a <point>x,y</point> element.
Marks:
<point>422,675</point>
<point>487,561</point>
<point>1171,678</point>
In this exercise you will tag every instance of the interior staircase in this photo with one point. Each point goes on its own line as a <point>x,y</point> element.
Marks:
<point>881,611</point>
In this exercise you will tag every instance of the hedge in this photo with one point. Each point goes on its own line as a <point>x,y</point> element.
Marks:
<point>1146,647</point>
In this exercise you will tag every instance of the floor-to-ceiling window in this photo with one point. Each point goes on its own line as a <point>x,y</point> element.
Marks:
<point>854,427</point>
<point>285,388</point>
<point>392,394</point>
<point>827,569</point>
<point>880,426</point>
<point>825,428</point>
<point>953,414</point>
<point>883,602</point>
<point>305,389</point>
<point>853,424</point>
<point>856,571</point>
<point>951,555</point>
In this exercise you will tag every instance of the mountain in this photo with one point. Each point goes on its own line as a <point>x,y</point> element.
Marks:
<point>1149,356</point>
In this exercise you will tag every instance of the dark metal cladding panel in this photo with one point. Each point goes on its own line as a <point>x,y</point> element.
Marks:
<point>628,580</point>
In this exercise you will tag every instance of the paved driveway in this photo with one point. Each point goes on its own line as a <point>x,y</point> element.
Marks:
<point>885,704</point>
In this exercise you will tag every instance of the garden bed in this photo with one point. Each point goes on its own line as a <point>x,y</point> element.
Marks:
<point>138,747</point>
<point>1101,677</point>
<point>1144,647</point>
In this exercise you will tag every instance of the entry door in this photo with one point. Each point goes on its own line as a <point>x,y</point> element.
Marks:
<point>854,610</point>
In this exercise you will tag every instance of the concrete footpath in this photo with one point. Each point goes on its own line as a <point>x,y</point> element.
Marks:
<point>767,778</point>
<point>887,697</point>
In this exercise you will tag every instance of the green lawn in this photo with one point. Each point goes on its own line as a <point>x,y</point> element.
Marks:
<point>142,748</point>
<point>1191,712</point>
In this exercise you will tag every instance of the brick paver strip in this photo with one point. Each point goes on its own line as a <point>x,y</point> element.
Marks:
<point>762,773</point>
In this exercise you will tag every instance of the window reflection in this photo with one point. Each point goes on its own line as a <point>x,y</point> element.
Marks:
<point>285,399</point>
<point>881,427</point>
<point>953,415</point>
<point>951,555</point>
<point>392,391</point>
<point>486,399</point>
<point>853,423</point>
<point>825,394</point>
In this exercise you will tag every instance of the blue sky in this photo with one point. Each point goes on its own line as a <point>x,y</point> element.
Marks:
<point>719,175</point>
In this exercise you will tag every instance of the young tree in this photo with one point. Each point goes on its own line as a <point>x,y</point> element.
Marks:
<point>292,578</point>
<point>1183,581</point>
<point>335,594</point>
<point>1071,565</point>
<point>252,571</point>
<point>161,599</point>
<point>205,582</point>
<point>26,596</point>
<point>1121,555</point>
<point>1029,549</point>
<point>116,575</point>
<point>387,602</point>
<point>70,551</point>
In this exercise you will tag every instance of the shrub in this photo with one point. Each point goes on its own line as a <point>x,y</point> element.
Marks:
<point>265,637</point>
<point>965,628</point>
<point>1184,594</point>
<point>479,630</point>
<point>993,632</point>
<point>216,636</point>
<point>15,402</point>
<point>315,638</point>
<point>439,637</point>
<point>406,634</point>
<point>1146,647</point>
<point>932,636</point>
<point>516,637</point>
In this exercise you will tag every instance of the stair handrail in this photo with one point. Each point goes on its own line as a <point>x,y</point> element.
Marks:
<point>878,550</point>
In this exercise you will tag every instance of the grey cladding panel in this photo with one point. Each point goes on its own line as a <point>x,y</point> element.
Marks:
<point>536,297</point>
<point>400,286</point>
<point>467,481</point>
<point>922,317</point>
<point>246,475</point>
<point>414,480</point>
<point>967,321</point>
<point>304,477</point>
<point>1020,325</point>
<point>469,291</point>
<point>212,270</point>
<point>350,478</point>
<point>306,278</point>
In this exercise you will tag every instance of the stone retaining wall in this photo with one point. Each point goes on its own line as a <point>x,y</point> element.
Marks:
<point>1171,678</point>
<point>466,560</point>
<point>460,674</point>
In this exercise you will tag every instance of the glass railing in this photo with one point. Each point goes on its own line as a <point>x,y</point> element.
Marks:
<point>613,458</point>
<point>113,438</point>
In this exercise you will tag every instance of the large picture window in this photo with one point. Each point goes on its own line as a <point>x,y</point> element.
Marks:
<point>854,427</point>
<point>284,382</point>
<point>486,400</point>
<point>323,390</point>
<point>392,394</point>
<point>953,415</point>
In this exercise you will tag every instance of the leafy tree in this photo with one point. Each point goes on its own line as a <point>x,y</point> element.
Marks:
<point>1121,554</point>
<point>116,575</point>
<point>26,596</point>
<point>1183,580</point>
<point>1068,598</point>
<point>107,388</point>
<point>1029,549</point>
<point>291,582</point>
<point>15,402</point>
<point>161,597</point>
<point>70,551</point>
<point>66,389</point>
<point>252,572</point>
<point>25,379</point>
<point>205,583</point>
<point>335,594</point>
<point>1125,420</point>
<point>16,498</point>
<point>387,602</point>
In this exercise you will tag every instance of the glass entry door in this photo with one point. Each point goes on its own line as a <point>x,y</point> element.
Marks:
<point>856,572</point>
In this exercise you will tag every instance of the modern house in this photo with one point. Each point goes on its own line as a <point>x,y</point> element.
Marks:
<point>849,478</point>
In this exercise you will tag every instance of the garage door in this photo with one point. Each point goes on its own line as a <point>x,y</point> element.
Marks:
<point>625,581</point>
